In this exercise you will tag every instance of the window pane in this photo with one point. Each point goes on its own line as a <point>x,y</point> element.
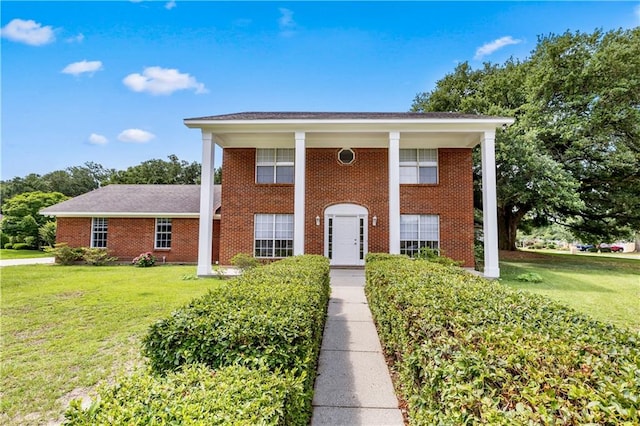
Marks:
<point>408,174</point>
<point>408,155</point>
<point>284,174</point>
<point>428,175</point>
<point>267,156</point>
<point>429,227</point>
<point>264,248</point>
<point>263,226</point>
<point>428,155</point>
<point>285,155</point>
<point>284,226</point>
<point>408,227</point>
<point>265,174</point>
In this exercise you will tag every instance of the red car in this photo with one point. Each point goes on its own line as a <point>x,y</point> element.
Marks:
<point>617,249</point>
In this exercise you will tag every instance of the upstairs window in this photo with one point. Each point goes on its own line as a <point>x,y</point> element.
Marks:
<point>99,226</point>
<point>418,166</point>
<point>273,235</point>
<point>275,165</point>
<point>163,233</point>
<point>417,231</point>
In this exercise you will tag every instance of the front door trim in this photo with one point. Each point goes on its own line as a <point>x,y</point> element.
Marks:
<point>353,211</point>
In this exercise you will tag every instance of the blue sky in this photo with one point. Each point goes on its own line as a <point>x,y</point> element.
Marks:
<point>111,82</point>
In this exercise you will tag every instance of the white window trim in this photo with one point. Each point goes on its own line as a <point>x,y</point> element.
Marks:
<point>93,231</point>
<point>157,233</point>
<point>273,235</point>
<point>275,164</point>
<point>420,239</point>
<point>417,164</point>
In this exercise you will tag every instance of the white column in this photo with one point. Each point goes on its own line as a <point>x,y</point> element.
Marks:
<point>394,192</point>
<point>205,234</point>
<point>489,206</point>
<point>299,194</point>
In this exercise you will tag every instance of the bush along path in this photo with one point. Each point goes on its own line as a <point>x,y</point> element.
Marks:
<point>467,351</point>
<point>243,354</point>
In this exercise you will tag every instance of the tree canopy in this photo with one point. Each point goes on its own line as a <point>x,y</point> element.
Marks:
<point>573,154</point>
<point>22,220</point>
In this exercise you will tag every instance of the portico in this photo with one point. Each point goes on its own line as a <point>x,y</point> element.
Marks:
<point>364,198</point>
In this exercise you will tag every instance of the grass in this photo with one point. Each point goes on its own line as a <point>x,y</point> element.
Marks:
<point>66,329</point>
<point>606,288</point>
<point>22,254</point>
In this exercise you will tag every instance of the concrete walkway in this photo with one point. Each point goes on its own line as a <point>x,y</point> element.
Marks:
<point>353,386</point>
<point>34,261</point>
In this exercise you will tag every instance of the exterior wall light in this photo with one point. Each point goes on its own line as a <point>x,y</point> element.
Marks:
<point>375,221</point>
<point>317,220</point>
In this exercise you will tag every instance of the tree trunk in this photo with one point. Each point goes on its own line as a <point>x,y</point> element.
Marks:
<point>508,227</point>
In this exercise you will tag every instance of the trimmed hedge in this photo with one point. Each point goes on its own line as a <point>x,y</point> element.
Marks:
<point>271,317</point>
<point>192,395</point>
<point>468,350</point>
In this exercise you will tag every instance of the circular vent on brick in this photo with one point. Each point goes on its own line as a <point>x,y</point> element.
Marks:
<point>346,156</point>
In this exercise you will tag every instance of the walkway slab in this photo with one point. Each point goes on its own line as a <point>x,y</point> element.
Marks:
<point>353,386</point>
<point>353,336</point>
<point>332,416</point>
<point>354,379</point>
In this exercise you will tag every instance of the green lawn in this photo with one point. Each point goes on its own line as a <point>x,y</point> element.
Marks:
<point>67,328</point>
<point>22,254</point>
<point>606,288</point>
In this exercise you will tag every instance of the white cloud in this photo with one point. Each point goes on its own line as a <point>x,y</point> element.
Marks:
<point>489,48</point>
<point>28,32</point>
<point>135,136</point>
<point>81,67</point>
<point>286,23</point>
<point>76,39</point>
<point>162,81</point>
<point>170,5</point>
<point>96,139</point>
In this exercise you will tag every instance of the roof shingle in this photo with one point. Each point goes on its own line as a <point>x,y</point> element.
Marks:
<point>136,199</point>
<point>283,115</point>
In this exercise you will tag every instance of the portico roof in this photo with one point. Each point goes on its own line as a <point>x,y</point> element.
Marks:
<point>353,129</point>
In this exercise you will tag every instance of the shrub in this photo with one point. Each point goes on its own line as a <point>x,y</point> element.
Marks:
<point>144,260</point>
<point>22,246</point>
<point>244,261</point>
<point>270,317</point>
<point>193,395</point>
<point>97,256</point>
<point>47,233</point>
<point>436,256</point>
<point>8,246</point>
<point>530,277</point>
<point>471,351</point>
<point>64,254</point>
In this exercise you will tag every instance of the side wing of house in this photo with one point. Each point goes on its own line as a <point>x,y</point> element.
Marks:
<point>128,220</point>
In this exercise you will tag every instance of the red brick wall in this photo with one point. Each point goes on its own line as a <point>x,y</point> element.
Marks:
<point>242,198</point>
<point>451,198</point>
<point>364,182</point>
<point>128,237</point>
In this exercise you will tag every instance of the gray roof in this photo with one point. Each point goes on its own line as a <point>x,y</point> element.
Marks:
<point>135,200</point>
<point>339,116</point>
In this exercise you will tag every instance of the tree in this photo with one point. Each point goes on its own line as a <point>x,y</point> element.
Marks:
<point>21,218</point>
<point>572,155</point>
<point>157,171</point>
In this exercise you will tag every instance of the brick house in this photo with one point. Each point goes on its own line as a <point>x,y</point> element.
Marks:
<point>133,219</point>
<point>345,184</point>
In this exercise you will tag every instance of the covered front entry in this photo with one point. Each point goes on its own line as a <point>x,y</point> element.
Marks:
<point>346,234</point>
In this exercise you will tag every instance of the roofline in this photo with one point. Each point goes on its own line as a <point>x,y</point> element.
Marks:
<point>199,122</point>
<point>137,215</point>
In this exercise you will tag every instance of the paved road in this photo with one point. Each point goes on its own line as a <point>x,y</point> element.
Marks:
<point>34,261</point>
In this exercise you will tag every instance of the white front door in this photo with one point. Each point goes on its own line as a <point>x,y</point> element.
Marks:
<point>346,240</point>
